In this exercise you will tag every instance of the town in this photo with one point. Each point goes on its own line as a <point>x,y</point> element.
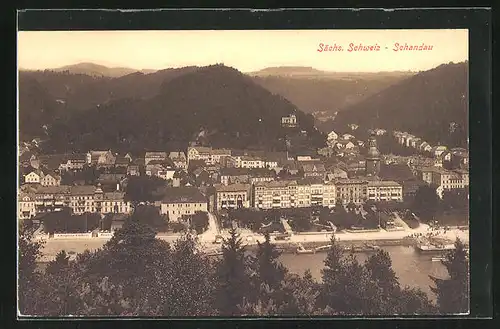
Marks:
<point>264,191</point>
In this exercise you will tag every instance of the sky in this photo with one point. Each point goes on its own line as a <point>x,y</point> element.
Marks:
<point>246,51</point>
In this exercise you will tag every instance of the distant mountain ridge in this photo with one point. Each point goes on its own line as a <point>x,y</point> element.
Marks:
<point>228,105</point>
<point>432,105</point>
<point>93,69</point>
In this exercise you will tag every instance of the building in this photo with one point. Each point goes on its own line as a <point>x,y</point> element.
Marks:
<point>332,135</point>
<point>314,169</point>
<point>234,176</point>
<point>151,156</point>
<point>133,170</point>
<point>438,150</point>
<point>329,195</point>
<point>33,177</point>
<point>336,173</point>
<point>273,195</point>
<point>444,179</point>
<point>113,202</point>
<point>261,175</point>
<point>179,159</point>
<point>81,199</point>
<point>251,162</point>
<point>101,158</point>
<point>348,137</point>
<point>51,198</point>
<point>207,154</point>
<point>233,196</point>
<point>74,162</point>
<point>372,168</point>
<point>351,190</point>
<point>289,121</point>
<point>181,201</point>
<point>26,209</point>
<point>384,191</point>
<point>50,180</point>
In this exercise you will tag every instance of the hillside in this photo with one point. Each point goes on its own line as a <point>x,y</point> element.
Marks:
<point>36,109</point>
<point>93,69</point>
<point>432,105</point>
<point>81,92</point>
<point>232,110</point>
<point>329,94</point>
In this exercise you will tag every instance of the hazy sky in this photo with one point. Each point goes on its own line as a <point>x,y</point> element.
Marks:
<point>244,50</point>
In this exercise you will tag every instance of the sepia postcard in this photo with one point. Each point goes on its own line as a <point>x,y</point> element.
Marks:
<point>243,173</point>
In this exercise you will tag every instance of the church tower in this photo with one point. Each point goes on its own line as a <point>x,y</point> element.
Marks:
<point>372,166</point>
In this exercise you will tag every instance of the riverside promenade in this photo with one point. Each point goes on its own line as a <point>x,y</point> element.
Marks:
<point>74,246</point>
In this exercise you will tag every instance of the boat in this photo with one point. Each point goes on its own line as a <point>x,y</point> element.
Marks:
<point>302,250</point>
<point>435,247</point>
<point>371,246</point>
<point>323,248</point>
<point>437,259</point>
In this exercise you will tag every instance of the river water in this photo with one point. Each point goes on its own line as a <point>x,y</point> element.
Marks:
<point>412,267</point>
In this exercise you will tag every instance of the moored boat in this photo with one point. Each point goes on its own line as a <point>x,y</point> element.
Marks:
<point>302,250</point>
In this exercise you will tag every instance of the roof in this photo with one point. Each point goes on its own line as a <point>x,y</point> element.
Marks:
<point>234,171</point>
<point>221,151</point>
<point>113,195</point>
<point>183,195</point>
<point>82,190</point>
<point>342,181</point>
<point>111,177</point>
<point>310,181</point>
<point>201,149</point>
<point>77,157</point>
<point>313,166</point>
<point>251,158</point>
<point>36,171</point>
<point>122,160</point>
<point>177,155</point>
<point>381,183</point>
<point>53,175</point>
<point>232,187</point>
<point>63,189</point>
<point>155,154</point>
<point>281,183</point>
<point>396,172</point>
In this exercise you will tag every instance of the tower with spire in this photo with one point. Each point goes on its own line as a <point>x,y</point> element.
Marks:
<point>372,160</point>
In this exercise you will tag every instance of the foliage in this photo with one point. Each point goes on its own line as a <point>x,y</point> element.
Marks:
<point>150,215</point>
<point>426,203</point>
<point>142,189</point>
<point>441,99</point>
<point>456,199</point>
<point>453,293</point>
<point>28,276</point>
<point>199,222</point>
<point>65,222</point>
<point>232,277</point>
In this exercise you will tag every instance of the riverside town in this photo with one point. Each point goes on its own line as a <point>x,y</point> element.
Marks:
<point>216,189</point>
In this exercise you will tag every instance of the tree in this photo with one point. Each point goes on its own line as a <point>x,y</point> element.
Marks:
<point>29,278</point>
<point>426,202</point>
<point>150,215</point>
<point>456,199</point>
<point>142,188</point>
<point>232,278</point>
<point>58,264</point>
<point>453,293</point>
<point>199,221</point>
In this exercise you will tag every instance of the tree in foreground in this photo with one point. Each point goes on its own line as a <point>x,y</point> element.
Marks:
<point>453,293</point>
<point>233,281</point>
<point>28,275</point>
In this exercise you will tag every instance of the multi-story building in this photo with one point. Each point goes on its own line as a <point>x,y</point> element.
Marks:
<point>183,201</point>
<point>303,195</point>
<point>251,162</point>
<point>74,162</point>
<point>26,207</point>
<point>351,190</point>
<point>234,176</point>
<point>261,175</point>
<point>384,191</point>
<point>444,179</point>
<point>152,156</point>
<point>207,154</point>
<point>51,198</point>
<point>314,169</point>
<point>101,158</point>
<point>33,177</point>
<point>81,199</point>
<point>277,194</point>
<point>329,195</point>
<point>50,180</point>
<point>179,159</point>
<point>113,202</point>
<point>289,121</point>
<point>232,196</point>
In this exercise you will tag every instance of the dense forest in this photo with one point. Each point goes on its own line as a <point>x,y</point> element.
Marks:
<point>155,110</point>
<point>136,274</point>
<point>432,105</point>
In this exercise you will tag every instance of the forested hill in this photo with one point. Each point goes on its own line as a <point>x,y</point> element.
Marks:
<point>432,105</point>
<point>226,105</point>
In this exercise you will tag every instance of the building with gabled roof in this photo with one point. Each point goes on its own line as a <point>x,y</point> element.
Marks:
<point>181,201</point>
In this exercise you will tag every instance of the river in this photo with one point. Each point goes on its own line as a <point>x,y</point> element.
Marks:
<point>412,267</point>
